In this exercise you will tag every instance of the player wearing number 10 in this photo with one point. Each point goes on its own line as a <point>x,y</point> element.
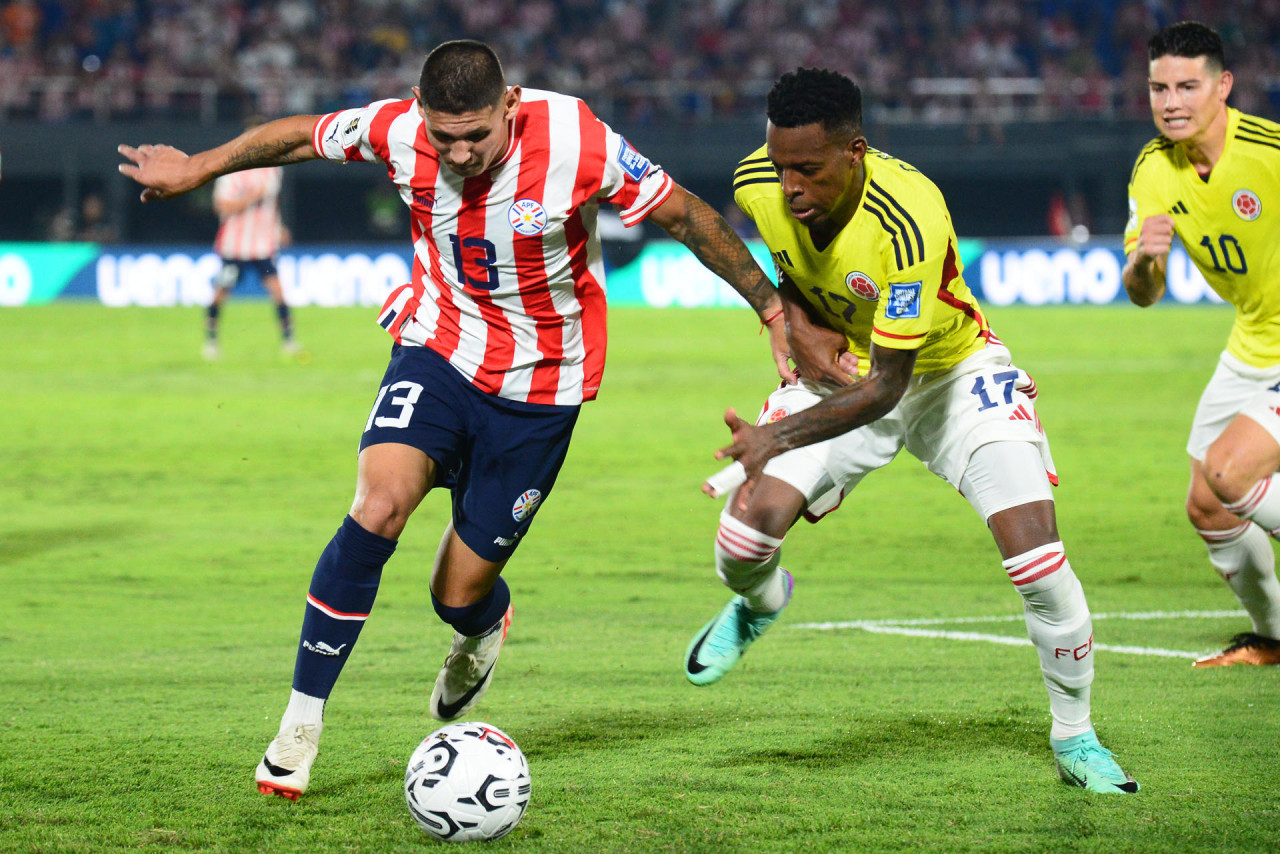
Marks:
<point>1213,178</point>
<point>865,249</point>
<point>499,339</point>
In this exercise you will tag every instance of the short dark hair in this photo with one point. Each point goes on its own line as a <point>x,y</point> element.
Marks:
<point>1190,39</point>
<point>816,95</point>
<point>461,76</point>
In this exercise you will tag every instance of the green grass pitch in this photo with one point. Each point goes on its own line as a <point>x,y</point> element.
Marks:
<point>162,516</point>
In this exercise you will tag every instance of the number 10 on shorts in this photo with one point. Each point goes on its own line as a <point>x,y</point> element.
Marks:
<point>403,403</point>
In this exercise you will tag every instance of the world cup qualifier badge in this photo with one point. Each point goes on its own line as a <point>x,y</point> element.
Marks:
<point>904,301</point>
<point>1246,204</point>
<point>526,505</point>
<point>527,217</point>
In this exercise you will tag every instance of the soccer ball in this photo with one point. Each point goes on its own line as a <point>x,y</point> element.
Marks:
<point>467,782</point>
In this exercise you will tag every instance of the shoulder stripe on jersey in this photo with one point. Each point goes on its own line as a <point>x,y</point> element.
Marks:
<point>752,161</point>
<point>1268,142</point>
<point>892,232</point>
<point>754,170</point>
<point>1259,128</point>
<point>915,229</point>
<point>744,182</point>
<point>1160,143</point>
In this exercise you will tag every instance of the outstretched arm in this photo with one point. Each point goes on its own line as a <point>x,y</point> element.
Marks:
<point>871,397</point>
<point>696,224</point>
<point>164,171</point>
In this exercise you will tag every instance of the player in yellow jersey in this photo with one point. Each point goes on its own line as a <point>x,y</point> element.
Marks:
<point>865,250</point>
<point>1213,178</point>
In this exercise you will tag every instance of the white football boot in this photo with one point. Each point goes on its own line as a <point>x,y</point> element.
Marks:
<point>468,670</point>
<point>285,769</point>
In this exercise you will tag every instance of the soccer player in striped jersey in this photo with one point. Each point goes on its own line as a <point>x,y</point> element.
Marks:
<point>499,339</point>
<point>249,238</point>
<point>865,248</point>
<point>1213,178</point>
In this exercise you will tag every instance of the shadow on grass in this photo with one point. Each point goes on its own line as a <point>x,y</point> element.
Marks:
<point>914,737</point>
<point>16,545</point>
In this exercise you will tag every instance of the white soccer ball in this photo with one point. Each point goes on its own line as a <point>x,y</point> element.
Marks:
<point>467,782</point>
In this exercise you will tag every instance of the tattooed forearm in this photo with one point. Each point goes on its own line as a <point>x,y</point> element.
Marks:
<point>269,153</point>
<point>866,400</point>
<point>276,143</point>
<point>722,251</point>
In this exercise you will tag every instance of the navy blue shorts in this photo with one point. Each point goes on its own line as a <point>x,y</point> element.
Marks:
<point>235,273</point>
<point>499,457</point>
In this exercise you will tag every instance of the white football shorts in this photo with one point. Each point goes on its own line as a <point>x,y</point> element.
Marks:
<point>1235,389</point>
<point>941,420</point>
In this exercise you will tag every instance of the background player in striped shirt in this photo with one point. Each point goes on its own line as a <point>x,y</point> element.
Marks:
<point>865,248</point>
<point>1213,178</point>
<point>249,238</point>
<point>500,336</point>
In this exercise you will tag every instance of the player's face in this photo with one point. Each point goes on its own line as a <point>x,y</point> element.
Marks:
<point>820,172</point>
<point>1187,98</point>
<point>470,143</point>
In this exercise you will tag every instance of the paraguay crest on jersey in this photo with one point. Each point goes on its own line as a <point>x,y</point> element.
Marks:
<point>527,217</point>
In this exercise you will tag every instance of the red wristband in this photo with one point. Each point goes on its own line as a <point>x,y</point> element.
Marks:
<point>771,318</point>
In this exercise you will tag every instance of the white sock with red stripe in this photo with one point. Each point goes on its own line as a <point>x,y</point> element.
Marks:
<point>1060,627</point>
<point>1244,558</point>
<point>747,562</point>
<point>1261,504</point>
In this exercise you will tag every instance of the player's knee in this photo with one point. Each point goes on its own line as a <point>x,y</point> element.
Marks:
<point>381,512</point>
<point>1228,481</point>
<point>1202,513</point>
<point>744,555</point>
<point>769,518</point>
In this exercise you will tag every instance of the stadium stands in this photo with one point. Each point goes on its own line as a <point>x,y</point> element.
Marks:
<point>636,61</point>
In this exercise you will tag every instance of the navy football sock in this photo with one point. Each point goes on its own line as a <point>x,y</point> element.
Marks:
<point>342,591</point>
<point>476,619</point>
<point>211,321</point>
<point>286,321</point>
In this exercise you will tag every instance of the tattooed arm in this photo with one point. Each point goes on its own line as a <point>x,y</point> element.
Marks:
<point>694,223</point>
<point>164,171</point>
<point>862,402</point>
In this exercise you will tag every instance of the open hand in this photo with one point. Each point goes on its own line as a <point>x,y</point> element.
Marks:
<point>162,170</point>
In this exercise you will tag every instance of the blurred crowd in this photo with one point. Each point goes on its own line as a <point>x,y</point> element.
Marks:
<point>642,60</point>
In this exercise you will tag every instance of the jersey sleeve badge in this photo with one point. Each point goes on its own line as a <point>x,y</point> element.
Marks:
<point>633,162</point>
<point>903,302</point>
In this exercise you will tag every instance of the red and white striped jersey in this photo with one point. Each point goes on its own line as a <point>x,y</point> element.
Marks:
<point>254,233</point>
<point>508,277</point>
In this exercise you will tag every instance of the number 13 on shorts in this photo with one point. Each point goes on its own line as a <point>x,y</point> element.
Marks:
<point>403,404</point>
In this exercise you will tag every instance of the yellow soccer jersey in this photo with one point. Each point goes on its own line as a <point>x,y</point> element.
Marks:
<point>893,273</point>
<point>1229,224</point>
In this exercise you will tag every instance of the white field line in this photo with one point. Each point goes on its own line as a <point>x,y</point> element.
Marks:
<point>910,628</point>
